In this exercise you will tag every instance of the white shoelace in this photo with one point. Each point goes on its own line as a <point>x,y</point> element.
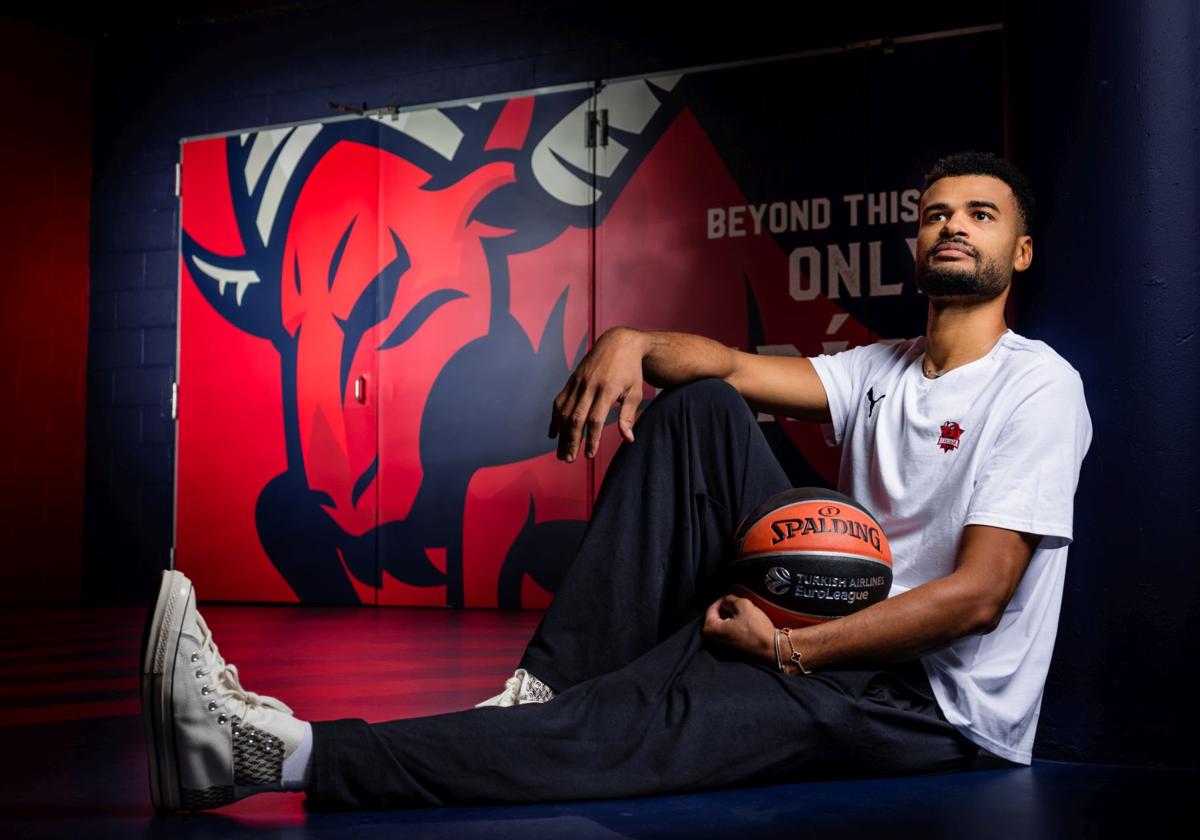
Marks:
<point>228,686</point>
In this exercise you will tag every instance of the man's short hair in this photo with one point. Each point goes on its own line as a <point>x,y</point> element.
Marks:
<point>986,163</point>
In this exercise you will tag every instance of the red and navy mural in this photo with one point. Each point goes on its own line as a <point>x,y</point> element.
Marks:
<point>376,313</point>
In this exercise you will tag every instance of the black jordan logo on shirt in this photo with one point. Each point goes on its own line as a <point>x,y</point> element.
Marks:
<point>871,397</point>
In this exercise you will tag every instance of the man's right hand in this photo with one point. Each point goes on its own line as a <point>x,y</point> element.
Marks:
<point>610,373</point>
<point>613,370</point>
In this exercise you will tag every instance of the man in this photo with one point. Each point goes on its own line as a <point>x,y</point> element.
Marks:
<point>643,676</point>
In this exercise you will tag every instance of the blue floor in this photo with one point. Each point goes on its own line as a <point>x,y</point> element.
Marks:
<point>87,779</point>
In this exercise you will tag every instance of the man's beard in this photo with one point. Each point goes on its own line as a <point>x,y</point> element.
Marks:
<point>985,282</point>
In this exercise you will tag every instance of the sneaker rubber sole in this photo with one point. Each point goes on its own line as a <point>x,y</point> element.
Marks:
<point>160,643</point>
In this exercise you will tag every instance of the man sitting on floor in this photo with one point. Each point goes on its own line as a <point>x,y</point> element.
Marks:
<point>643,677</point>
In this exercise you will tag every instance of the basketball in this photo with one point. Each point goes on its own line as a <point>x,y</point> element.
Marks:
<point>808,555</point>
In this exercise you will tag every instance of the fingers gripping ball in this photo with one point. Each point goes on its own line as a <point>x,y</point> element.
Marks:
<point>808,555</point>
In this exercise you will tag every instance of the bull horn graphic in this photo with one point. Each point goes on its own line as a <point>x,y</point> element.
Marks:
<point>561,162</point>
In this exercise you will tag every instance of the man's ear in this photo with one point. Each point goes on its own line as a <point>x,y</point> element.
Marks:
<point>1023,254</point>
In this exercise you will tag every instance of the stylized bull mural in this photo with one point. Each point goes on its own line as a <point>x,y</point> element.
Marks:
<point>374,256</point>
<point>376,314</point>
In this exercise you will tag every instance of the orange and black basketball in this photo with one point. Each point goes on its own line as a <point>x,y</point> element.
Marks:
<point>808,555</point>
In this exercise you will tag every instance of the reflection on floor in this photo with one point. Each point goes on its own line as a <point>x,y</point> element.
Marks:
<point>74,754</point>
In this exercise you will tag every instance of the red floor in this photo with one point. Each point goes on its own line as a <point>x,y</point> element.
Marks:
<point>67,665</point>
<point>377,664</point>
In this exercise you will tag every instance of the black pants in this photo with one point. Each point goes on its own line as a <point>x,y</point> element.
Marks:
<point>644,706</point>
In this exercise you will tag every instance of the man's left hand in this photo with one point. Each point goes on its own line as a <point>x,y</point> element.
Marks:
<point>737,623</point>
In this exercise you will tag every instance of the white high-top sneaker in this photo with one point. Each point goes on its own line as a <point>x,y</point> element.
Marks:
<point>522,687</point>
<point>209,741</point>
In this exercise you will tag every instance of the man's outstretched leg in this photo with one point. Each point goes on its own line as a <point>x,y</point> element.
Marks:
<point>682,717</point>
<point>660,533</point>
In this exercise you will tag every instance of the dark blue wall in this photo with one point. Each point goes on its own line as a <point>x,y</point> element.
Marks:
<point>1103,115</point>
<point>1106,118</point>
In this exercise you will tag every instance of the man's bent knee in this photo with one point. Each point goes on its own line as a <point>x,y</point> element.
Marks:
<point>710,393</point>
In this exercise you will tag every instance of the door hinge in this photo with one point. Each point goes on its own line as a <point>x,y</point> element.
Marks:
<point>597,128</point>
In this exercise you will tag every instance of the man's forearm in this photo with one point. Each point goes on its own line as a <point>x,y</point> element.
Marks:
<point>900,628</point>
<point>673,358</point>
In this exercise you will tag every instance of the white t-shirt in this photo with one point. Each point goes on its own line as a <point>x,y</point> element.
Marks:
<point>998,441</point>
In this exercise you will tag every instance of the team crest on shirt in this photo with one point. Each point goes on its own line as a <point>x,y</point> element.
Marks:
<point>951,432</point>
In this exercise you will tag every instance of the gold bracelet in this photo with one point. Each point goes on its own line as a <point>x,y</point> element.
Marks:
<point>795,657</point>
<point>778,652</point>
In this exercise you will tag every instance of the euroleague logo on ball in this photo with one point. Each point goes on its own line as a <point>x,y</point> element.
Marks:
<point>781,581</point>
<point>778,580</point>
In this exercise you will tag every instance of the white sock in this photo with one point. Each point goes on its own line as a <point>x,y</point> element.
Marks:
<point>296,766</point>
